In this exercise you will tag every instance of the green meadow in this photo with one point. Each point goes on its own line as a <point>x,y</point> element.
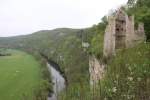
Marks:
<point>19,76</point>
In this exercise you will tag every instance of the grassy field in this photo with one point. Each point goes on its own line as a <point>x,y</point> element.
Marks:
<point>19,76</point>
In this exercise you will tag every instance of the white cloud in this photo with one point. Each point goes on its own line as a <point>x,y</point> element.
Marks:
<point>26,16</point>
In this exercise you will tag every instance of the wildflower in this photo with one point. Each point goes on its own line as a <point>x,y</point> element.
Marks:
<point>130,78</point>
<point>114,89</point>
<point>128,97</point>
<point>105,98</point>
<point>115,81</point>
<point>129,68</point>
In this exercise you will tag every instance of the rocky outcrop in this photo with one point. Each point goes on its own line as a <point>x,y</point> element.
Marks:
<point>96,69</point>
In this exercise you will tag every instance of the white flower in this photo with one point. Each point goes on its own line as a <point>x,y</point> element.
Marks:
<point>130,78</point>
<point>105,98</point>
<point>114,89</point>
<point>128,97</point>
<point>115,81</point>
<point>129,68</point>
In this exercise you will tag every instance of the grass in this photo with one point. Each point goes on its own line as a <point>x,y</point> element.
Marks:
<point>128,75</point>
<point>19,76</point>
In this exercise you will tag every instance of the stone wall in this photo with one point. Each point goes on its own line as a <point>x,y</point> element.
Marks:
<point>130,31</point>
<point>121,33</point>
<point>139,36</point>
<point>109,38</point>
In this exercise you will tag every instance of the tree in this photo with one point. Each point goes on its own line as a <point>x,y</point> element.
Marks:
<point>141,10</point>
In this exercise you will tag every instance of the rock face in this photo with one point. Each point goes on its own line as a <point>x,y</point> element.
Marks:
<point>120,33</point>
<point>96,70</point>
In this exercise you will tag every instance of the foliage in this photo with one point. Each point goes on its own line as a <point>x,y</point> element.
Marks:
<point>127,78</point>
<point>98,38</point>
<point>62,46</point>
<point>128,75</point>
<point>141,10</point>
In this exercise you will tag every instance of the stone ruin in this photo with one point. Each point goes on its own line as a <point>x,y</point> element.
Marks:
<point>120,33</point>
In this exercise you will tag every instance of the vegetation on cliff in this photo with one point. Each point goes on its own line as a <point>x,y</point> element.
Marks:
<point>141,10</point>
<point>63,46</point>
<point>127,74</point>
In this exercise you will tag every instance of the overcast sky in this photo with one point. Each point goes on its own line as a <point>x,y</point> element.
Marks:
<point>18,17</point>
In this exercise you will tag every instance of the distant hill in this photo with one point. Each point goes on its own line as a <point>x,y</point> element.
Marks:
<point>62,45</point>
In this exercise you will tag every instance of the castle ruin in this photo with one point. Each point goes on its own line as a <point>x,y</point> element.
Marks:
<point>120,33</point>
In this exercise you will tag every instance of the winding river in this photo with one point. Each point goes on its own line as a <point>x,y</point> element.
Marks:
<point>58,80</point>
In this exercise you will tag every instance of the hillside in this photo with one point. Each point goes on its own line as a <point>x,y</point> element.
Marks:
<point>127,77</point>
<point>63,46</point>
<point>127,74</point>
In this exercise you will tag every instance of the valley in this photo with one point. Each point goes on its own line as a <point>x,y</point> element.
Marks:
<point>19,76</point>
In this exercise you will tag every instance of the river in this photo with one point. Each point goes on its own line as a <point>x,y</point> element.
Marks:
<point>58,80</point>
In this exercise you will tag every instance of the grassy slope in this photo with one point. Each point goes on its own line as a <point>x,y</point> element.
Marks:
<point>128,74</point>
<point>19,75</point>
<point>127,78</point>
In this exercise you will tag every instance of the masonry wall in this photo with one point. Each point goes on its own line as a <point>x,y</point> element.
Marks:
<point>130,31</point>
<point>109,38</point>
<point>120,33</point>
<point>140,33</point>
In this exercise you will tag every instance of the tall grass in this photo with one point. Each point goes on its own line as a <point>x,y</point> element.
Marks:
<point>127,78</point>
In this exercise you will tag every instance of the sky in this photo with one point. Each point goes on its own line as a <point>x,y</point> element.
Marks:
<point>20,17</point>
